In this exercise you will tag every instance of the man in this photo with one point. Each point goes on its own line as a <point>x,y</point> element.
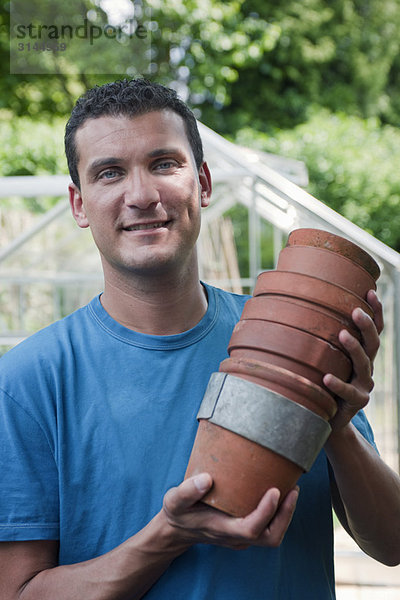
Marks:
<point>98,411</point>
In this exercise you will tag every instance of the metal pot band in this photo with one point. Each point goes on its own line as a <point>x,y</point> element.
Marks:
<point>264,417</point>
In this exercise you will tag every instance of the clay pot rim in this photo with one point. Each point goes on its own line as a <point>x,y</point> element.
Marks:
<point>284,378</point>
<point>332,242</point>
<point>303,304</point>
<point>361,275</point>
<point>313,283</point>
<point>339,321</point>
<point>309,342</point>
<point>320,407</point>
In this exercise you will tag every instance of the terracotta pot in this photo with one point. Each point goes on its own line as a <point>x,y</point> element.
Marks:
<point>311,289</point>
<point>285,382</point>
<point>292,349</point>
<point>334,243</point>
<point>328,265</point>
<point>242,470</point>
<point>299,314</point>
<point>279,351</point>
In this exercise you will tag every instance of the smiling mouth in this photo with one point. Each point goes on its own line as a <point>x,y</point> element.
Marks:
<point>142,226</point>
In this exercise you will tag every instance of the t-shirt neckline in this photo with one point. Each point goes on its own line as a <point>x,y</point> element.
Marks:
<point>156,342</point>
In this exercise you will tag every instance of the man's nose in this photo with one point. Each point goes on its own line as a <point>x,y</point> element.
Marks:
<point>140,191</point>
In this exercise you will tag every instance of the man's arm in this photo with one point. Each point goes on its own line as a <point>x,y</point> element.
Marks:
<point>366,495</point>
<point>29,571</point>
<point>365,491</point>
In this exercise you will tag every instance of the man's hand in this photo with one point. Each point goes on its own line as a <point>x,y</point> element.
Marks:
<point>365,491</point>
<point>195,522</point>
<point>354,396</point>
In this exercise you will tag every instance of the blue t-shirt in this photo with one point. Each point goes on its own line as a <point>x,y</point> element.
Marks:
<point>97,422</point>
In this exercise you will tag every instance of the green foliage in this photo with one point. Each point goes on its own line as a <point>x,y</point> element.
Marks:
<point>263,63</point>
<point>31,148</point>
<point>205,45</point>
<point>251,66</point>
<point>247,62</point>
<point>352,166</point>
<point>42,96</point>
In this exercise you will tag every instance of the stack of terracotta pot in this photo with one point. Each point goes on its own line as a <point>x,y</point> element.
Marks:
<point>265,415</point>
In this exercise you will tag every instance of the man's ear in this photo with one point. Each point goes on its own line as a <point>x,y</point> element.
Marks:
<point>206,185</point>
<point>77,208</point>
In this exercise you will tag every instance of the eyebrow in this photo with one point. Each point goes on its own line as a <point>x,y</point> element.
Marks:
<point>113,160</point>
<point>163,151</point>
<point>103,162</point>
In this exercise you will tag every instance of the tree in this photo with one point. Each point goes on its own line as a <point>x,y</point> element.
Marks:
<point>261,64</point>
<point>257,62</point>
<point>352,167</point>
<point>52,51</point>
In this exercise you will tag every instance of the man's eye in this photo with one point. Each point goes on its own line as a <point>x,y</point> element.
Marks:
<point>109,174</point>
<point>166,164</point>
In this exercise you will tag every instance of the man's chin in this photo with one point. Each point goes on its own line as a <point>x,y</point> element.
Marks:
<point>152,266</point>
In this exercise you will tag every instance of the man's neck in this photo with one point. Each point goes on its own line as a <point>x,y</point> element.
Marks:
<point>157,306</point>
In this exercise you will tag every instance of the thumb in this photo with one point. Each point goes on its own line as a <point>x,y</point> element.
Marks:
<point>190,491</point>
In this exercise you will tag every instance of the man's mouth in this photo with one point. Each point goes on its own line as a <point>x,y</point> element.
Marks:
<point>141,226</point>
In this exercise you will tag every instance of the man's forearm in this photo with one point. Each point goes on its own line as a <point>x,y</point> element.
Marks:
<point>126,572</point>
<point>370,493</point>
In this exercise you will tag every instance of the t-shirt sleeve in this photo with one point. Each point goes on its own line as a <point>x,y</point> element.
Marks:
<point>361,422</point>
<point>29,502</point>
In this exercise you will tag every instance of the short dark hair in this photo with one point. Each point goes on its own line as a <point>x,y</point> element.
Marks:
<point>127,97</point>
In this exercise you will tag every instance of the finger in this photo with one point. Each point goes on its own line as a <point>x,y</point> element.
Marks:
<point>352,399</point>
<point>282,519</point>
<point>267,525</point>
<point>251,526</point>
<point>360,359</point>
<point>368,331</point>
<point>190,491</point>
<point>376,306</point>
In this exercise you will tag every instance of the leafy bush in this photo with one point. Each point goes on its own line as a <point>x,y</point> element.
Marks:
<point>32,148</point>
<point>352,164</point>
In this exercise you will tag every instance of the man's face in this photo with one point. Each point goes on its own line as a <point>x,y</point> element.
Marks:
<point>141,192</point>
